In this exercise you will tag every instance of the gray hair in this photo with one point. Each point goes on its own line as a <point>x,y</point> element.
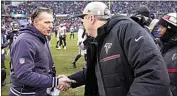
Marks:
<point>39,10</point>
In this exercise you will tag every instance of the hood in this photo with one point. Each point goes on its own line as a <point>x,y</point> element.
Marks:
<point>171,42</point>
<point>143,10</point>
<point>168,35</point>
<point>113,21</point>
<point>33,31</point>
<point>106,28</point>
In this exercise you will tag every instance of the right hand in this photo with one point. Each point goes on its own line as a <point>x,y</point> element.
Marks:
<point>64,83</point>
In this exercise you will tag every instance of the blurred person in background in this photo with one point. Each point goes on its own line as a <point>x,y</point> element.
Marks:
<point>58,36</point>
<point>4,44</point>
<point>81,49</point>
<point>12,35</point>
<point>168,46</point>
<point>62,36</point>
<point>71,32</point>
<point>142,16</point>
<point>153,28</point>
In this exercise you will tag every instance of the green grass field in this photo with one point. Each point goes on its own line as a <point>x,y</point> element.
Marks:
<point>62,59</point>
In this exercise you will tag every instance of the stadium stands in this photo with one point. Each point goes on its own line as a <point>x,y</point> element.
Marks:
<point>75,7</point>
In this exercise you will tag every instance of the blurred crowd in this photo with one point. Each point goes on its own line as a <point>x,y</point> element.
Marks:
<point>75,7</point>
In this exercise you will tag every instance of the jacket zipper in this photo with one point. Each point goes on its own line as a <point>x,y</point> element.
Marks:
<point>99,67</point>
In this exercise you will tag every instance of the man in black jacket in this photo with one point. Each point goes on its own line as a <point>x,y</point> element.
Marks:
<point>122,59</point>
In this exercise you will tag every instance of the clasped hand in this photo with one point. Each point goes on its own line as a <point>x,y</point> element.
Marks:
<point>64,83</point>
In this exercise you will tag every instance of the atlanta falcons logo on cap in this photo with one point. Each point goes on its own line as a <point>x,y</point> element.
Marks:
<point>107,47</point>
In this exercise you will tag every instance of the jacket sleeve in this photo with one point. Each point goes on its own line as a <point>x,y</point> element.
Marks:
<point>150,72</point>
<point>23,55</point>
<point>79,77</point>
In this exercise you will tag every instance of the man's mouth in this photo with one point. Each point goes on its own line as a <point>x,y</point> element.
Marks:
<point>48,31</point>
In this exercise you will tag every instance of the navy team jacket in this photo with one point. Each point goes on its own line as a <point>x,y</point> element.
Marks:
<point>31,64</point>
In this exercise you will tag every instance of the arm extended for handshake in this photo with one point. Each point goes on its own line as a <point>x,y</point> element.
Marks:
<point>72,81</point>
<point>64,83</point>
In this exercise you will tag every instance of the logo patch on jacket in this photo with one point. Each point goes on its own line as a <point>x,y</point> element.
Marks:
<point>107,47</point>
<point>22,60</point>
<point>174,56</point>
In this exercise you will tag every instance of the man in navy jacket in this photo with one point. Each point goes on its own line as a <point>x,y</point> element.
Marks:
<point>32,66</point>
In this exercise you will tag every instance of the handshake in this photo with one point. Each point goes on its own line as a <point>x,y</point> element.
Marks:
<point>64,83</point>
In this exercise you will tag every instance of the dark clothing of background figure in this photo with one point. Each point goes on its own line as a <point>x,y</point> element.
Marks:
<point>62,39</point>
<point>12,36</point>
<point>169,52</point>
<point>4,44</point>
<point>71,32</point>
<point>72,35</point>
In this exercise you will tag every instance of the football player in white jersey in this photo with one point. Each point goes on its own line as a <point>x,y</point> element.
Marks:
<point>62,36</point>
<point>81,49</point>
<point>71,32</point>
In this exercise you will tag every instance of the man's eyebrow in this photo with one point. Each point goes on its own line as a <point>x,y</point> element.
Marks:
<point>48,21</point>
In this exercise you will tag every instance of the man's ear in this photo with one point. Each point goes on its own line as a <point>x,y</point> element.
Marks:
<point>35,22</point>
<point>92,18</point>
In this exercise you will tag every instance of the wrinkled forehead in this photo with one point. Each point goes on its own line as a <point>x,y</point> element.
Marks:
<point>44,16</point>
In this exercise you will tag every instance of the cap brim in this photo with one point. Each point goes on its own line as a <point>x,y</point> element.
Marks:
<point>80,15</point>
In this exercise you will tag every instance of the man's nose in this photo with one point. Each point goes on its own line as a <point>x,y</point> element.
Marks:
<point>51,26</point>
<point>82,20</point>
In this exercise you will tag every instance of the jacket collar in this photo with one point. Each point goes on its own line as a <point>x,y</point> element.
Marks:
<point>32,30</point>
<point>106,28</point>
